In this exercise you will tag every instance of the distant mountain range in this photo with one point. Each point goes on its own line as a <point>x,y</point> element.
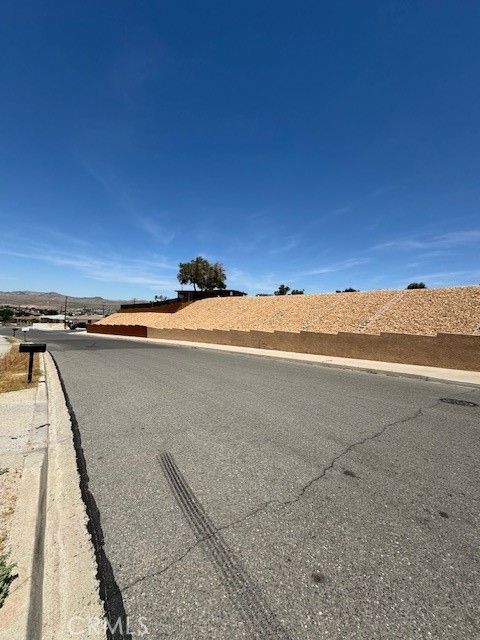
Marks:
<point>53,300</point>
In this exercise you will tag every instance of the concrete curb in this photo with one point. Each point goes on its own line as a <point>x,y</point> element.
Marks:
<point>21,615</point>
<point>72,606</point>
<point>114,620</point>
<point>419,372</point>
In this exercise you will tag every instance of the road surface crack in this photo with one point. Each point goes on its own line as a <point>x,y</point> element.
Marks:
<point>200,541</point>
<point>282,503</point>
<point>350,448</point>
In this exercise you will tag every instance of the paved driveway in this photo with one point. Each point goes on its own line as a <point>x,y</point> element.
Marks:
<point>245,497</point>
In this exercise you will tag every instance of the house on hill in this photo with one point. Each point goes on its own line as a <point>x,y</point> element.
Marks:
<point>192,295</point>
<point>184,297</point>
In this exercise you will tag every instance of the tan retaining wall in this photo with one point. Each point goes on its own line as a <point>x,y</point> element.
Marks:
<point>451,351</point>
<point>118,330</point>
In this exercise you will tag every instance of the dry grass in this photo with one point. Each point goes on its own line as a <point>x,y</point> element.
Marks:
<point>14,368</point>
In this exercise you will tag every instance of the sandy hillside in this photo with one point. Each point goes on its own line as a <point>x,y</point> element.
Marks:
<point>417,311</point>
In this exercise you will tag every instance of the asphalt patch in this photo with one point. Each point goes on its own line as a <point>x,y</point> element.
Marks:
<point>458,402</point>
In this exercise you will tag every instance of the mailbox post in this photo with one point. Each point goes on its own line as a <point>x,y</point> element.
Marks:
<point>14,331</point>
<point>32,348</point>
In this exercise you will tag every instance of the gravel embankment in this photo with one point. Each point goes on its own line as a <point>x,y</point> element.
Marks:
<point>420,311</point>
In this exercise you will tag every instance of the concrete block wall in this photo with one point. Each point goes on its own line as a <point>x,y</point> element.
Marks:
<point>451,351</point>
<point>118,330</point>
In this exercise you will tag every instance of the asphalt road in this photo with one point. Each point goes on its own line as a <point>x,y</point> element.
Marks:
<point>246,497</point>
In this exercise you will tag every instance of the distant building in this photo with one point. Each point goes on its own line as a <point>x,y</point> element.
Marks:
<point>24,319</point>
<point>60,318</point>
<point>190,295</point>
<point>183,298</point>
<point>51,319</point>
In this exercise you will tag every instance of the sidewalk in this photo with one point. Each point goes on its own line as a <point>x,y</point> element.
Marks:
<point>45,523</point>
<point>23,429</point>
<point>434,374</point>
<point>4,345</point>
<point>16,415</point>
<point>17,410</point>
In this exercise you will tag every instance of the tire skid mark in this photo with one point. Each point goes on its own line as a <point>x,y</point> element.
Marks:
<point>245,596</point>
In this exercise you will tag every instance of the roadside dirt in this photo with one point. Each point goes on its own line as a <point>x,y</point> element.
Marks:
<point>9,481</point>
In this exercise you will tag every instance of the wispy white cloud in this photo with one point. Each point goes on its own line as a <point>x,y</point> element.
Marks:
<point>156,230</point>
<point>67,238</point>
<point>139,62</point>
<point>123,197</point>
<point>446,240</point>
<point>434,253</point>
<point>155,274</point>
<point>472,273</point>
<point>459,237</point>
<point>381,191</point>
<point>287,245</point>
<point>239,279</point>
<point>337,212</point>
<point>401,244</point>
<point>267,283</point>
<point>445,278</point>
<point>336,266</point>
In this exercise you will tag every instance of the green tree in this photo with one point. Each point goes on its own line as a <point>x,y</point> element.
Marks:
<point>297,292</point>
<point>348,290</point>
<point>200,273</point>
<point>417,285</point>
<point>282,290</point>
<point>49,312</point>
<point>184,273</point>
<point>6,314</point>
<point>215,277</point>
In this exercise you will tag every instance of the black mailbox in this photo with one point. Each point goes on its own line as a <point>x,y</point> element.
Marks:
<point>31,348</point>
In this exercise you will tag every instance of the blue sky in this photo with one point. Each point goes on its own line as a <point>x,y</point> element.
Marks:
<point>320,144</point>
